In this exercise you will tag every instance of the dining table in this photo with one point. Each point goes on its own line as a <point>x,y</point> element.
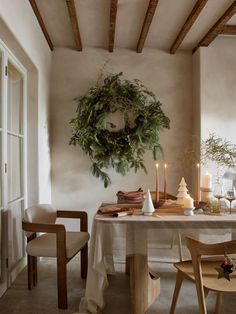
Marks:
<point>131,236</point>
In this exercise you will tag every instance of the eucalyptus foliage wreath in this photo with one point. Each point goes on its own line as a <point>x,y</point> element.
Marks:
<point>108,146</point>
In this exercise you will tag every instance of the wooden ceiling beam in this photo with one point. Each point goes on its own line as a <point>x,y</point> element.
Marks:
<point>41,22</point>
<point>229,30</point>
<point>146,24</point>
<point>217,27</point>
<point>74,23</point>
<point>113,14</point>
<point>198,7</point>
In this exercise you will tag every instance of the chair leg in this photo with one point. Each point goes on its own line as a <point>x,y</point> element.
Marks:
<point>179,280</point>
<point>35,270</point>
<point>127,265</point>
<point>180,247</point>
<point>30,270</point>
<point>219,296</point>
<point>84,261</point>
<point>61,285</point>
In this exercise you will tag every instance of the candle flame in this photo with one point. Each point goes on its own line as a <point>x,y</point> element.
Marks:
<point>157,165</point>
<point>198,165</point>
<point>165,165</point>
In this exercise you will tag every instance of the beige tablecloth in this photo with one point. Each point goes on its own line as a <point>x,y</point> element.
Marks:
<point>121,236</point>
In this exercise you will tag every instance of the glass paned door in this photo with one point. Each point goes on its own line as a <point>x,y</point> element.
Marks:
<point>15,171</point>
<point>1,175</point>
<point>12,166</point>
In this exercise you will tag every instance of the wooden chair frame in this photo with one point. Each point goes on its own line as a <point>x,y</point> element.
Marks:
<point>62,260</point>
<point>197,249</point>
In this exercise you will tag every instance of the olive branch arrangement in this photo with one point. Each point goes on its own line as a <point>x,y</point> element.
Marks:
<point>219,150</point>
<point>213,148</point>
<point>100,139</point>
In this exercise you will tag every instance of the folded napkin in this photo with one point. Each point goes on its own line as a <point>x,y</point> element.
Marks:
<point>114,211</point>
<point>111,209</point>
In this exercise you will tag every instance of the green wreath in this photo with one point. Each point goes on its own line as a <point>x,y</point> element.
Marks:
<point>108,146</point>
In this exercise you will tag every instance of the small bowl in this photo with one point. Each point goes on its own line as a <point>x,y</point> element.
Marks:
<point>158,204</point>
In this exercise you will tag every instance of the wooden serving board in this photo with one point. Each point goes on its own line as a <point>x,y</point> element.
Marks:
<point>137,208</point>
<point>170,208</point>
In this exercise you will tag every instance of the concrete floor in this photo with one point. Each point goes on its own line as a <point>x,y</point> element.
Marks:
<point>43,298</point>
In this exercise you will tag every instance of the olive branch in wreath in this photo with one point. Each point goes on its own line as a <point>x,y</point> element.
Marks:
<point>108,147</point>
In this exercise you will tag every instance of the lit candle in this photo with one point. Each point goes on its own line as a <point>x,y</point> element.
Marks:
<point>165,181</point>
<point>198,185</point>
<point>157,184</point>
<point>207,181</point>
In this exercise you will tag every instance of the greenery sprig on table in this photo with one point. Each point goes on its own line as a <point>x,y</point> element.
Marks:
<point>108,147</point>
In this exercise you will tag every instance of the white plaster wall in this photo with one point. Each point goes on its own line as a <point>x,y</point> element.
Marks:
<point>73,73</point>
<point>218,92</point>
<point>22,23</point>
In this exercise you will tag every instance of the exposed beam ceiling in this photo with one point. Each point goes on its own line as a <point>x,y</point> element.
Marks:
<point>146,24</point>
<point>217,28</point>
<point>74,23</point>
<point>229,30</point>
<point>113,13</point>
<point>195,19</point>
<point>199,5</point>
<point>41,22</point>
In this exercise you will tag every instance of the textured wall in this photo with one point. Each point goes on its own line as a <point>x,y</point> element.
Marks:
<point>217,90</point>
<point>169,77</point>
<point>22,23</point>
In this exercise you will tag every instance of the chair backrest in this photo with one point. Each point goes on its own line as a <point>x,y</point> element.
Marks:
<point>41,213</point>
<point>198,248</point>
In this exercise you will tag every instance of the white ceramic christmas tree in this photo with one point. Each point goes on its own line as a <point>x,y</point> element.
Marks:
<point>148,207</point>
<point>182,192</point>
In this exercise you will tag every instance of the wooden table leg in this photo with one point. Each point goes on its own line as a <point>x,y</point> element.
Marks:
<point>144,284</point>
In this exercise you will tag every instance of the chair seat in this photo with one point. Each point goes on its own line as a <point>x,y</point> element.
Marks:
<point>45,244</point>
<point>210,275</point>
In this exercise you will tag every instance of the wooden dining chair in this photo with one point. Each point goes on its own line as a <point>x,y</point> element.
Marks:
<point>203,271</point>
<point>54,242</point>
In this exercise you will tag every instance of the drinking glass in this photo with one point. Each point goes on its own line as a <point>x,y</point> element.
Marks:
<point>218,192</point>
<point>230,195</point>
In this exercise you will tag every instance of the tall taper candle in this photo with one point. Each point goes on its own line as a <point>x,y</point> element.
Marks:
<point>157,184</point>
<point>198,186</point>
<point>165,181</point>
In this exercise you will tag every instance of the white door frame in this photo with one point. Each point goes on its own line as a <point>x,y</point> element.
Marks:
<point>8,275</point>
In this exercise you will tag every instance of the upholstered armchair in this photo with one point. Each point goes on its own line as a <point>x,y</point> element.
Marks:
<point>46,238</point>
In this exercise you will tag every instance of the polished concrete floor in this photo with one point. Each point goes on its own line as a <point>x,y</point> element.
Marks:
<point>43,298</point>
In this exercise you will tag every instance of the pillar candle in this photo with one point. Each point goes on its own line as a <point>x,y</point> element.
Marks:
<point>207,181</point>
<point>157,183</point>
<point>165,181</point>
<point>198,185</point>
<point>188,202</point>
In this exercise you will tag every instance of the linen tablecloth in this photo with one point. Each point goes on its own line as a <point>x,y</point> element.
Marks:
<point>121,236</point>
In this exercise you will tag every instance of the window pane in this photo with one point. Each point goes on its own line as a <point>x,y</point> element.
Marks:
<point>1,99</point>
<point>1,191</point>
<point>0,90</point>
<point>15,100</point>
<point>15,234</point>
<point>14,170</point>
